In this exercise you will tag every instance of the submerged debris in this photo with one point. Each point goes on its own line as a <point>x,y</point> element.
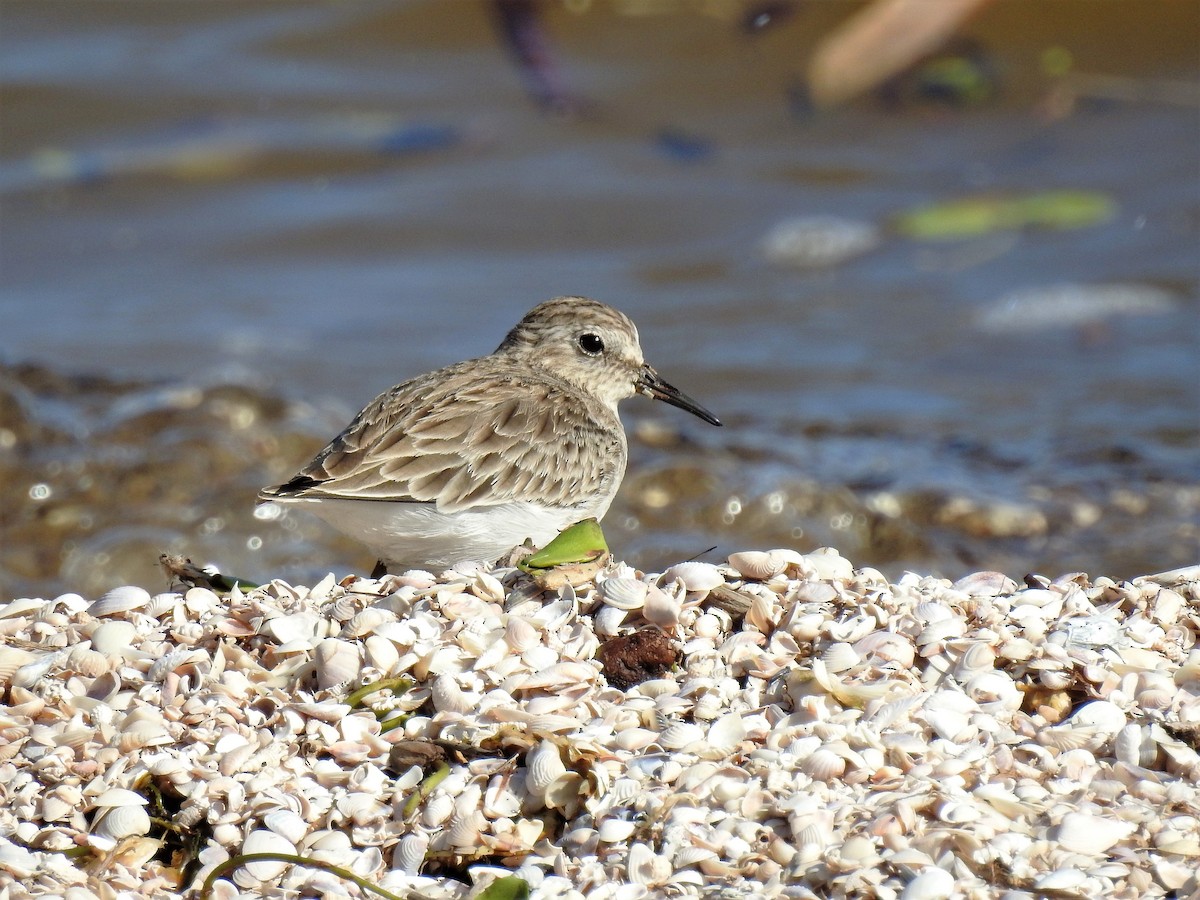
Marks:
<point>824,732</point>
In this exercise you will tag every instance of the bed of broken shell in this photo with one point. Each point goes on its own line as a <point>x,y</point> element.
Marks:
<point>824,731</point>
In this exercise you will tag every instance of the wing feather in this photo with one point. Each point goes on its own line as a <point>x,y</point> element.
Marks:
<point>469,436</point>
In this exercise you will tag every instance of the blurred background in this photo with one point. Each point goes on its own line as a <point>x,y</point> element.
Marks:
<point>940,279</point>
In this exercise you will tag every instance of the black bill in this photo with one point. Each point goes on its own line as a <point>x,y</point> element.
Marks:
<point>651,385</point>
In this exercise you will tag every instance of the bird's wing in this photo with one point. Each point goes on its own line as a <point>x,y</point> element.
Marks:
<point>467,441</point>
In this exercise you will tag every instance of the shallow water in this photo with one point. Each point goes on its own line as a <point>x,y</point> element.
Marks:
<point>296,206</point>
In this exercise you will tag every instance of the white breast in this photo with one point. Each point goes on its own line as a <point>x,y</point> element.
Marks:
<point>417,535</point>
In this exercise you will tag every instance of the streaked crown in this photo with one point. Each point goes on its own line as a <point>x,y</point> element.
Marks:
<point>584,342</point>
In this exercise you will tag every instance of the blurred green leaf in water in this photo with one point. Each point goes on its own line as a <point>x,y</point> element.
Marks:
<point>969,217</point>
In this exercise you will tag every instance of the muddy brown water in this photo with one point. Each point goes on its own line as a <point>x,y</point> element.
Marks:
<point>226,227</point>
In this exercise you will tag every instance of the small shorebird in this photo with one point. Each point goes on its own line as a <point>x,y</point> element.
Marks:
<point>467,462</point>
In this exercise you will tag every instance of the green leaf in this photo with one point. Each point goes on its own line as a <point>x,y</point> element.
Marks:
<point>508,888</point>
<point>581,543</point>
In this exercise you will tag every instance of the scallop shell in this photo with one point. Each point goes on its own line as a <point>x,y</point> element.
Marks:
<point>615,831</point>
<point>839,656</point>
<point>681,735</point>
<point>1093,835</point>
<point>437,809</point>
<point>447,696</point>
<point>113,638</point>
<point>119,600</point>
<point>757,565</point>
<point>161,604</point>
<point>365,622</point>
<point>337,662</point>
<point>287,824</point>
<point>1105,717</point>
<point>410,853</point>
<point>13,658</point>
<point>263,841</point>
<point>977,657</point>
<point>647,867</point>
<point>520,634</point>
<point>381,654</point>
<point>624,592</point>
<point>543,765</point>
<point>87,662</point>
<point>885,647</point>
<point>661,608</point>
<point>607,620</point>
<point>823,765</point>
<point>123,821</point>
<point>696,576</point>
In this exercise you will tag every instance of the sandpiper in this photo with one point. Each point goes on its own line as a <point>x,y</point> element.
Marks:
<point>467,462</point>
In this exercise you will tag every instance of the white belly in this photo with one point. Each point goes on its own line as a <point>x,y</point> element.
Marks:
<point>417,535</point>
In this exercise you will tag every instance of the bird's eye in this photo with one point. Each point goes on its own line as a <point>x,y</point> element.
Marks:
<point>591,344</point>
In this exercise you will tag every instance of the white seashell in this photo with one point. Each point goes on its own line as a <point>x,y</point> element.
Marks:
<point>161,604</point>
<point>165,665</point>
<point>87,662</point>
<point>263,841</point>
<point>978,657</point>
<point>1135,746</point>
<point>367,621</point>
<point>661,608</point>
<point>13,658</point>
<point>635,738</point>
<point>941,631</point>
<point>1060,880</point>
<point>114,797</point>
<point>607,620</point>
<point>1065,737</point>
<point>823,765</point>
<point>696,576</point>
<point>336,662</point>
<point>757,565</point>
<point>464,830</point>
<point>381,654</point>
<point>123,821</point>
<point>114,638</point>
<point>1092,631</point>
<point>1105,717</point>
<point>565,792</point>
<point>303,626</point>
<point>615,831</point>
<point>119,600</point>
<point>437,809</point>
<point>624,592</point>
<point>931,884</point>
<point>680,735</point>
<point>24,607</point>
<point>985,584</point>
<point>410,853</point>
<point>726,733</point>
<point>646,867</point>
<point>564,674</point>
<point>886,648</point>
<point>287,825</point>
<point>993,689</point>
<point>1018,649</point>
<point>826,564</point>
<point>543,765</point>
<point>840,656</point>
<point>447,696</point>
<point>1093,835</point>
<point>707,625</point>
<point>520,634</point>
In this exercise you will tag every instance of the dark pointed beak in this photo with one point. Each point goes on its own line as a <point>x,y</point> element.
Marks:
<point>651,385</point>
